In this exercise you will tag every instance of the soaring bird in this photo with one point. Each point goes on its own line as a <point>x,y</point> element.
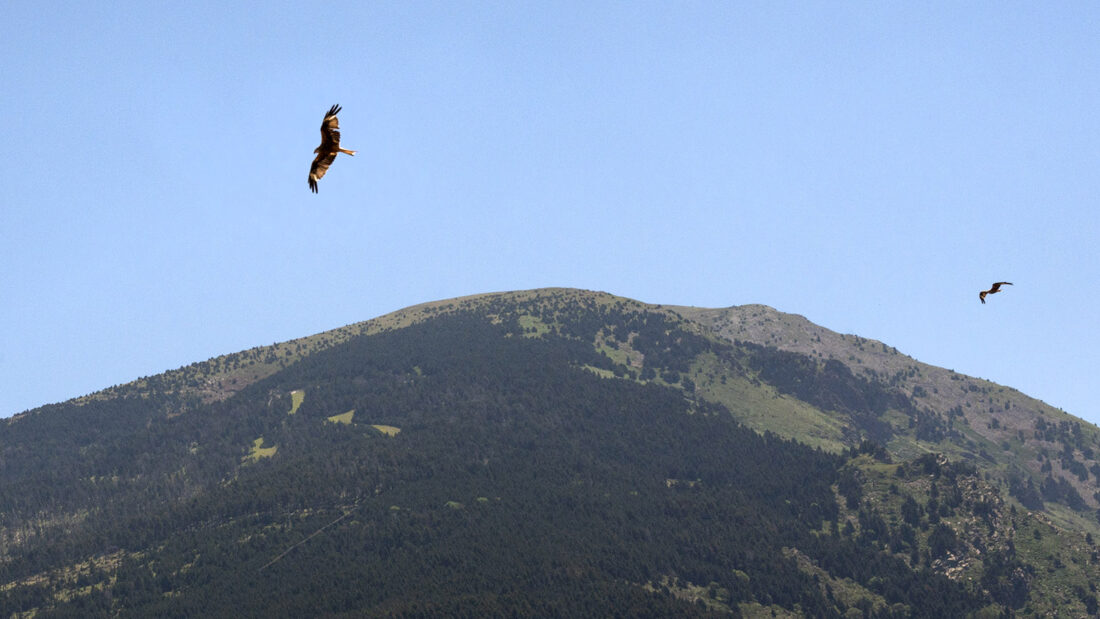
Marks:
<point>994,290</point>
<point>330,145</point>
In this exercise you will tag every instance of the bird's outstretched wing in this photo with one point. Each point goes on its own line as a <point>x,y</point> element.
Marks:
<point>320,165</point>
<point>330,130</point>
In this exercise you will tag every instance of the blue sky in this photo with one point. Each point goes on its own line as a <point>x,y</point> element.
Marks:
<point>870,166</point>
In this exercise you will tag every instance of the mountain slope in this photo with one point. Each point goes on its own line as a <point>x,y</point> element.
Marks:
<point>1005,432</point>
<point>548,451</point>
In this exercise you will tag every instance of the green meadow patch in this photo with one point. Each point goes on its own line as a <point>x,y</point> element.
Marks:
<point>602,373</point>
<point>344,418</point>
<point>761,407</point>
<point>387,430</point>
<point>532,326</point>
<point>258,451</point>
<point>296,398</point>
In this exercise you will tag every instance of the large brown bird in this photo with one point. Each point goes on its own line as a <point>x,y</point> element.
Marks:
<point>330,145</point>
<point>994,290</point>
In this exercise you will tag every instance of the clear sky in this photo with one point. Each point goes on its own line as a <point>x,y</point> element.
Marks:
<point>870,166</point>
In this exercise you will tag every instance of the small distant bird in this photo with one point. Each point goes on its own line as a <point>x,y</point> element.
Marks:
<point>330,145</point>
<point>994,290</point>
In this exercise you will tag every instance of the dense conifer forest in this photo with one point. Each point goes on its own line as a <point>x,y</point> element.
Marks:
<point>520,459</point>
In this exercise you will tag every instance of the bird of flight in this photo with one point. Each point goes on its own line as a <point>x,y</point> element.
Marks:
<point>330,146</point>
<point>994,290</point>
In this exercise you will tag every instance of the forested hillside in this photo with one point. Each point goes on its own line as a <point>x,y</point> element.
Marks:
<point>543,453</point>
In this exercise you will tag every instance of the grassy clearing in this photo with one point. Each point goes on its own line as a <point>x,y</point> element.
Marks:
<point>615,354</point>
<point>296,398</point>
<point>602,373</point>
<point>258,451</point>
<point>756,610</point>
<point>761,407</point>
<point>621,353</point>
<point>344,418</point>
<point>387,430</point>
<point>532,326</point>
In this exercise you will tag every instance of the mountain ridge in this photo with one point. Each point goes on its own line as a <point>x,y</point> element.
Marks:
<point>252,364</point>
<point>993,414</point>
<point>990,415</point>
<point>333,431</point>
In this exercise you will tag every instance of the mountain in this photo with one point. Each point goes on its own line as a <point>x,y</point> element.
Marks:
<point>552,452</point>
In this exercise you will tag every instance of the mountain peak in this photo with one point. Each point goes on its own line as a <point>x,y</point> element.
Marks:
<point>400,448</point>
